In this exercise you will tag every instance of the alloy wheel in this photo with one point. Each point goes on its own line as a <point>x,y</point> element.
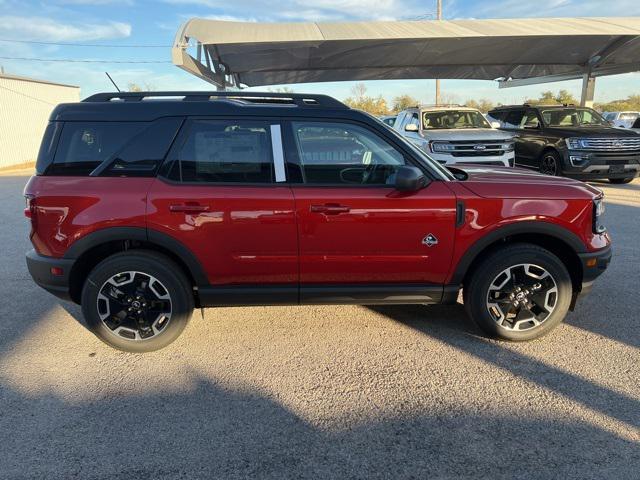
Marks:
<point>549,166</point>
<point>522,297</point>
<point>134,305</point>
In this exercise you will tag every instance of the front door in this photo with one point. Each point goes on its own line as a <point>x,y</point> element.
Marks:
<point>360,239</point>
<point>225,199</point>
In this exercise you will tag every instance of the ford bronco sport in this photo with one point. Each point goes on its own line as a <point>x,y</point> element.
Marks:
<point>146,205</point>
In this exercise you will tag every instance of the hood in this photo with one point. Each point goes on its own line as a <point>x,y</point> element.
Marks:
<point>504,182</point>
<point>467,134</point>
<point>589,132</point>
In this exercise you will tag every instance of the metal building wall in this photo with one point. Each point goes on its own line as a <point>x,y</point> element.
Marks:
<point>25,106</point>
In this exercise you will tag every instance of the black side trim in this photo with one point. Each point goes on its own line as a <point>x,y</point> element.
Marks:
<point>525,227</point>
<point>40,269</point>
<point>186,255</point>
<point>460,213</point>
<point>141,234</point>
<point>103,236</point>
<point>248,295</point>
<point>369,294</point>
<point>602,259</point>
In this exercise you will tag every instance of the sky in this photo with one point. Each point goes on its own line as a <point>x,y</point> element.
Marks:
<point>143,31</point>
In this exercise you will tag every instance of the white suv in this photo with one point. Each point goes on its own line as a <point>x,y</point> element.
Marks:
<point>455,134</point>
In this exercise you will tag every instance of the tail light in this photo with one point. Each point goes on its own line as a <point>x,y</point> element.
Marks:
<point>598,212</point>
<point>30,209</point>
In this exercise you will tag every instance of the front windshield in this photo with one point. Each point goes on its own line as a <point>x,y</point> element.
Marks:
<point>572,117</point>
<point>448,119</point>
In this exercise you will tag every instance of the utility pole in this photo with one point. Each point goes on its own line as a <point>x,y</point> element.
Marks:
<point>439,17</point>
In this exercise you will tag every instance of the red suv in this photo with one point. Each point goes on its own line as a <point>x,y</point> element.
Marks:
<point>146,205</point>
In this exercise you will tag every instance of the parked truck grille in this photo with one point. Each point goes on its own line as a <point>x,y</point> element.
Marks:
<point>611,144</point>
<point>480,148</point>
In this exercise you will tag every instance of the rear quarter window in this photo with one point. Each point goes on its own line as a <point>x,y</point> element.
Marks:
<point>114,148</point>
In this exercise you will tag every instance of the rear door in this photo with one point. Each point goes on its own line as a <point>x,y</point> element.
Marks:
<point>359,238</point>
<point>223,195</point>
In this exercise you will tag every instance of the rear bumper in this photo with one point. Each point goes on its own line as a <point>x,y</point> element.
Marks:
<point>40,269</point>
<point>593,265</point>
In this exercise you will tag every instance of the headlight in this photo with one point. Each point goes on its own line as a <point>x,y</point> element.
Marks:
<point>598,212</point>
<point>442,147</point>
<point>574,143</point>
<point>509,147</point>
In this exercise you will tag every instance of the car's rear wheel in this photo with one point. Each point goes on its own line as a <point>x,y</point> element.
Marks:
<point>619,181</point>
<point>519,292</point>
<point>550,163</point>
<point>137,301</point>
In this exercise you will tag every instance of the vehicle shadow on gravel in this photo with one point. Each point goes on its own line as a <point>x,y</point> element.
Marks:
<point>211,432</point>
<point>448,324</point>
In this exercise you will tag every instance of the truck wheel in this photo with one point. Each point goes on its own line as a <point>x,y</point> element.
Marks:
<point>519,292</point>
<point>550,163</point>
<point>137,301</point>
<point>620,181</point>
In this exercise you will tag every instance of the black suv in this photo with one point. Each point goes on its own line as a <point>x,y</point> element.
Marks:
<point>571,141</point>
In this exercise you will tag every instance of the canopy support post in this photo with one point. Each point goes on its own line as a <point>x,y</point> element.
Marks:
<point>588,90</point>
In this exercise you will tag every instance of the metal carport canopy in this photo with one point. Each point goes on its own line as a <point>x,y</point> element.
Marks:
<point>512,51</point>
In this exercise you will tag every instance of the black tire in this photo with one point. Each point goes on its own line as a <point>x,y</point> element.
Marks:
<point>550,163</point>
<point>478,287</point>
<point>620,181</point>
<point>145,265</point>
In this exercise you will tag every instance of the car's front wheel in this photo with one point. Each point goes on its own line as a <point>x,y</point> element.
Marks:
<point>550,163</point>
<point>519,292</point>
<point>137,301</point>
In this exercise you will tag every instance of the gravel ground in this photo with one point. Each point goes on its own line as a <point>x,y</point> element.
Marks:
<point>322,392</point>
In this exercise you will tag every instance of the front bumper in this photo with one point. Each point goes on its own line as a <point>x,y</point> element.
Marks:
<point>40,269</point>
<point>593,265</point>
<point>588,165</point>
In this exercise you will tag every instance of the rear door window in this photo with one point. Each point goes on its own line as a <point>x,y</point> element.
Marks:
<point>227,151</point>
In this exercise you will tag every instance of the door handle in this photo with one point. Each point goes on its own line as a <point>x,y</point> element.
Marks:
<point>330,209</point>
<point>189,208</point>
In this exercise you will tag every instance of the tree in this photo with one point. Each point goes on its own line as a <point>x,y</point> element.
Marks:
<point>483,104</point>
<point>550,98</point>
<point>281,90</point>
<point>402,102</point>
<point>361,101</point>
<point>632,103</point>
<point>134,87</point>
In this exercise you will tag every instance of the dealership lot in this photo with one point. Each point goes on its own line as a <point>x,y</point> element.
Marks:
<point>323,391</point>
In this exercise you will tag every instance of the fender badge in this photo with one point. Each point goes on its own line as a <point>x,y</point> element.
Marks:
<point>430,240</point>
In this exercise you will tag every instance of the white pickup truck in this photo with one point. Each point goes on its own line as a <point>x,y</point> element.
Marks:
<point>454,134</point>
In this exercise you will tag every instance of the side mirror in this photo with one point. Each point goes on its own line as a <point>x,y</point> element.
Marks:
<point>495,125</point>
<point>410,179</point>
<point>411,127</point>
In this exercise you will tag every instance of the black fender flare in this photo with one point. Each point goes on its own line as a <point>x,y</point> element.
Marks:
<point>517,228</point>
<point>110,234</point>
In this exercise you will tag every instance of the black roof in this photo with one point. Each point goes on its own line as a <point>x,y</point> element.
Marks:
<point>147,106</point>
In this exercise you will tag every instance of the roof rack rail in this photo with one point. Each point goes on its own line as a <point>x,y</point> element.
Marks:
<point>299,99</point>
<point>436,105</point>
<point>498,107</point>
